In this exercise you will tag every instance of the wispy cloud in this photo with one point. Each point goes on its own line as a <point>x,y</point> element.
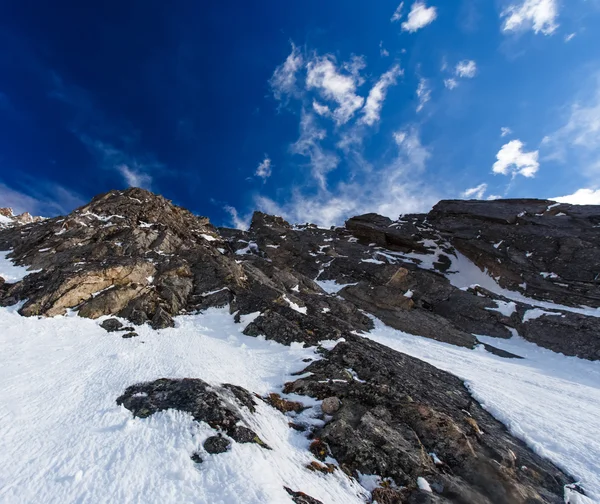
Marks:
<point>334,122</point>
<point>236,220</point>
<point>419,16</point>
<point>309,145</point>
<point>397,16</point>
<point>136,171</point>
<point>466,69</point>
<point>135,178</point>
<point>504,131</point>
<point>423,93</point>
<point>475,192</point>
<point>264,168</point>
<point>513,160</point>
<point>451,83</point>
<point>579,136</point>
<point>335,86</point>
<point>395,189</point>
<point>283,81</point>
<point>538,15</point>
<point>383,52</point>
<point>372,109</point>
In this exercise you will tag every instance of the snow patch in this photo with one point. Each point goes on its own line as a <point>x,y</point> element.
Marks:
<point>10,272</point>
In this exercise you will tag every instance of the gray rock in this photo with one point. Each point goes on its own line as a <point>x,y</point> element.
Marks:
<point>112,325</point>
<point>330,405</point>
<point>216,444</point>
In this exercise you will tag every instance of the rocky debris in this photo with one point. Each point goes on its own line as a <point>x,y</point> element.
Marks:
<point>402,410</point>
<point>301,497</point>
<point>112,325</point>
<point>218,407</point>
<point>131,334</point>
<point>216,444</point>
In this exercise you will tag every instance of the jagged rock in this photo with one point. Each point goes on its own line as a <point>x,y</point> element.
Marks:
<point>112,325</point>
<point>135,255</point>
<point>403,409</point>
<point>216,444</point>
<point>517,240</point>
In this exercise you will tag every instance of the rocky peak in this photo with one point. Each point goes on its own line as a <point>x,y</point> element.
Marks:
<point>8,218</point>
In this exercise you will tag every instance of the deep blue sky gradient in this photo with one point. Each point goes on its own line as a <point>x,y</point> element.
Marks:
<point>180,91</point>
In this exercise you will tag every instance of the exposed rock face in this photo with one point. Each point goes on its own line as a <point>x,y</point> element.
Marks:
<point>553,248</point>
<point>400,410</point>
<point>134,255</point>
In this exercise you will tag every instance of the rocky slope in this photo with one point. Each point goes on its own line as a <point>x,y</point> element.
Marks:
<point>134,255</point>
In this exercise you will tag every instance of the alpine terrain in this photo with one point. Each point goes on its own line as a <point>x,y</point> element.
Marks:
<point>449,357</point>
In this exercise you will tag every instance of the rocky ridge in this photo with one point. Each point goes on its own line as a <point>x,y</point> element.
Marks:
<point>134,255</point>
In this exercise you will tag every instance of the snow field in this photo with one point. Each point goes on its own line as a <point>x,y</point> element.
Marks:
<point>65,440</point>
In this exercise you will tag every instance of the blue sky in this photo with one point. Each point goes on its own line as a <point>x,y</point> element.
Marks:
<point>312,110</point>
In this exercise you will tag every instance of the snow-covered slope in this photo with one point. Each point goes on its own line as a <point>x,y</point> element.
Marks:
<point>65,440</point>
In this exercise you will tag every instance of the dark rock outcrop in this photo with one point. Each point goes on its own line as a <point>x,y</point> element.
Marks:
<point>218,407</point>
<point>402,410</point>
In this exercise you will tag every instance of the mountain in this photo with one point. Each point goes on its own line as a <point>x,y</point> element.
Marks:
<point>473,276</point>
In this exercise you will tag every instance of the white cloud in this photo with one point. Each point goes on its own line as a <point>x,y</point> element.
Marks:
<point>570,37</point>
<point>323,75</point>
<point>392,190</point>
<point>410,148</point>
<point>264,168</point>
<point>238,222</point>
<point>423,93</point>
<point>397,16</point>
<point>419,16</point>
<point>383,52</point>
<point>466,69</point>
<point>581,197</point>
<point>372,109</point>
<point>504,131</point>
<point>134,177</point>
<point>583,126</point>
<point>309,145</point>
<point>322,110</point>
<point>283,81</point>
<point>513,160</point>
<point>538,15</point>
<point>450,83</point>
<point>475,192</point>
